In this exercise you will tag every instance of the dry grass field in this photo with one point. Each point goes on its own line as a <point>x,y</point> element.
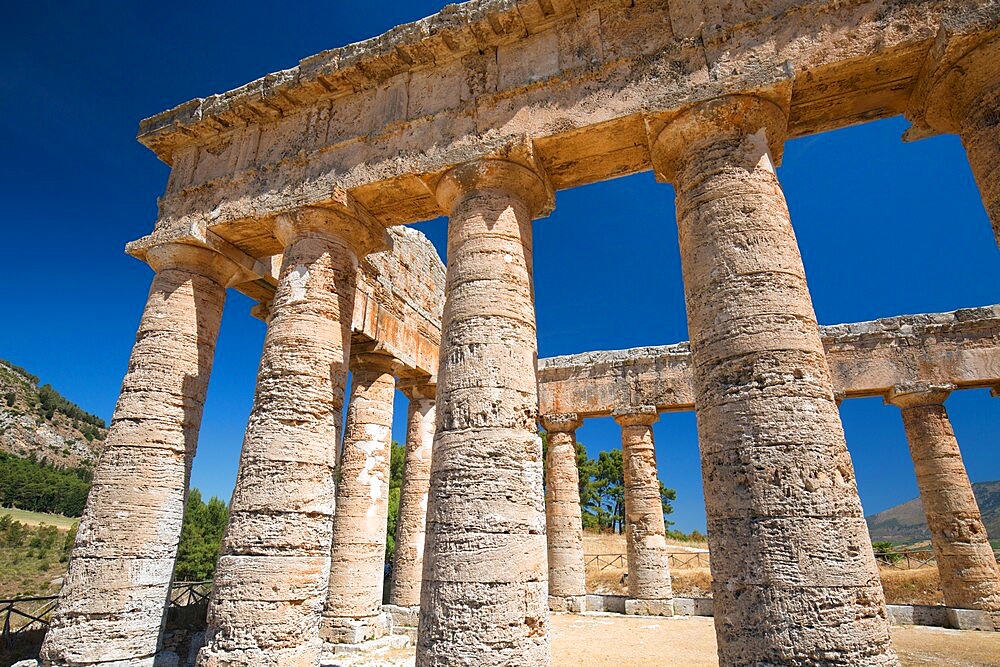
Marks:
<point>919,586</point>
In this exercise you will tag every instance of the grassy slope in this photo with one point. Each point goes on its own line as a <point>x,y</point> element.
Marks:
<point>39,519</point>
<point>33,558</point>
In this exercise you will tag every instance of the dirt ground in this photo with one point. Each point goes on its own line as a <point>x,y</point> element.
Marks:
<point>624,641</point>
<point>611,640</point>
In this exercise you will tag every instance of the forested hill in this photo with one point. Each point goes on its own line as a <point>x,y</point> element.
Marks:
<point>905,523</point>
<point>36,422</point>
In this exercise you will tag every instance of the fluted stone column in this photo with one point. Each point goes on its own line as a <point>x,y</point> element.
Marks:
<point>563,521</point>
<point>408,564</point>
<point>649,587</point>
<point>353,611</point>
<point>962,96</point>
<point>969,575</point>
<point>271,580</point>
<point>794,578</point>
<point>484,595</point>
<point>112,603</point>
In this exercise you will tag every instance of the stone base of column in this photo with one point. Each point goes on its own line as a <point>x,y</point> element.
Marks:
<point>635,607</point>
<point>973,619</point>
<point>355,630</point>
<point>404,620</point>
<point>574,604</point>
<point>209,656</point>
<point>367,653</point>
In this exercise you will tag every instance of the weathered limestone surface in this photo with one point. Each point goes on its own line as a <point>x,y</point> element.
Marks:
<point>645,530</point>
<point>794,578</point>
<point>484,594</point>
<point>270,585</point>
<point>400,296</point>
<point>563,522</point>
<point>970,578</point>
<point>112,604</point>
<point>354,598</point>
<point>865,358</point>
<point>578,77</point>
<point>407,568</point>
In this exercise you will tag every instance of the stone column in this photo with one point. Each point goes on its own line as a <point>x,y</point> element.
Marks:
<point>484,596</point>
<point>794,577</point>
<point>112,603</point>
<point>563,521</point>
<point>353,611</point>
<point>649,587</point>
<point>960,94</point>
<point>407,568</point>
<point>970,578</point>
<point>270,584</point>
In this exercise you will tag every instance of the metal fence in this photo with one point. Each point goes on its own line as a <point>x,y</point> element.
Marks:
<point>28,614</point>
<point>893,560</point>
<point>678,560</point>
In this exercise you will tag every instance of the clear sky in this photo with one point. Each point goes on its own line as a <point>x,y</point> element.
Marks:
<point>885,228</point>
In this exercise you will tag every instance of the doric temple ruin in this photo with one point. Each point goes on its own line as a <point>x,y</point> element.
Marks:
<point>295,190</point>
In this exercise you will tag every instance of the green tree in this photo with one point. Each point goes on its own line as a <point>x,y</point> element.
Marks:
<point>397,457</point>
<point>201,537</point>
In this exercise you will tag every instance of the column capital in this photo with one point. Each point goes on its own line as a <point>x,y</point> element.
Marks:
<point>916,394</point>
<point>764,114</point>
<point>634,415</point>
<point>375,361</point>
<point>194,259</point>
<point>524,178</point>
<point>344,221</point>
<point>416,391</point>
<point>960,67</point>
<point>566,422</point>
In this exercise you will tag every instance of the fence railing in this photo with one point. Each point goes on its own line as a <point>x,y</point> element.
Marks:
<point>893,560</point>
<point>906,560</point>
<point>678,559</point>
<point>27,614</point>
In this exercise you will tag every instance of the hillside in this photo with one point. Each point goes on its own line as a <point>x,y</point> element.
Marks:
<point>904,524</point>
<point>36,422</point>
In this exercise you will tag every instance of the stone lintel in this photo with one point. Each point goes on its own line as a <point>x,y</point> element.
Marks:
<point>866,359</point>
<point>915,394</point>
<point>581,79</point>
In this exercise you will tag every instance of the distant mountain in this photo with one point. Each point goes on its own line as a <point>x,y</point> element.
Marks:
<point>905,524</point>
<point>36,422</point>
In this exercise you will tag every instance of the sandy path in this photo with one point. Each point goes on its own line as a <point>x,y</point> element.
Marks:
<point>610,640</point>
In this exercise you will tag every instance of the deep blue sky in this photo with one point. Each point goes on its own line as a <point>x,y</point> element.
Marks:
<point>885,228</point>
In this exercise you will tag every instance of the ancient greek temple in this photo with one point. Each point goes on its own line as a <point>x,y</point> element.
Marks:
<point>296,190</point>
